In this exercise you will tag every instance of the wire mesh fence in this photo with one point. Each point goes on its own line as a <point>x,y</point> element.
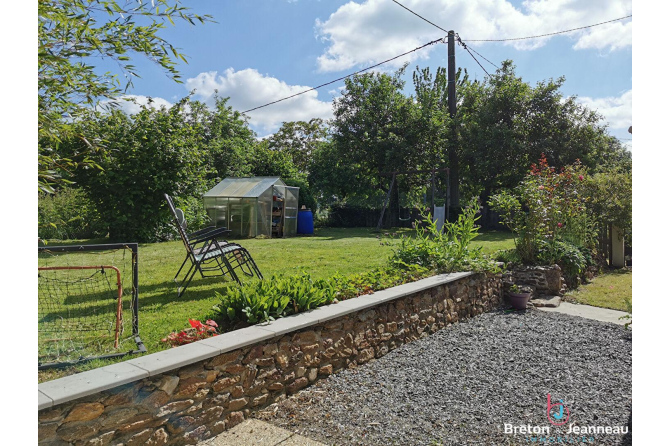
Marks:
<point>87,303</point>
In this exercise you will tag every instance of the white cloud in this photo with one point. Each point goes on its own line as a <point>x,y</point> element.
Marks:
<point>617,111</point>
<point>248,89</point>
<point>375,30</point>
<point>131,104</point>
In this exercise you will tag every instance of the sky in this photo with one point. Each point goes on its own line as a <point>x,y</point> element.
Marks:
<point>264,50</point>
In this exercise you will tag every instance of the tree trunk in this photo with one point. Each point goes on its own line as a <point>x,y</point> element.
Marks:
<point>392,211</point>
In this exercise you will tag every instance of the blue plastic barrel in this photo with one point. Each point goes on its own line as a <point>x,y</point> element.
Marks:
<point>305,222</point>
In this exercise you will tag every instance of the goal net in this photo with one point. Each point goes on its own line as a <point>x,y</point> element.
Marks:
<point>87,303</point>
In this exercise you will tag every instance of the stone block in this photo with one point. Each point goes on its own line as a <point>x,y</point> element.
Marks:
<point>85,412</point>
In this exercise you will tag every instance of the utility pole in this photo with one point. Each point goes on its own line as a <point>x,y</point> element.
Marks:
<point>451,101</point>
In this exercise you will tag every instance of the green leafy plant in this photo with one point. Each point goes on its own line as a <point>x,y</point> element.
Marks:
<point>68,214</point>
<point>548,217</point>
<point>445,250</point>
<point>276,297</point>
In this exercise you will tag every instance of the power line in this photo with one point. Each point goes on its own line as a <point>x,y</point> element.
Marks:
<point>439,27</point>
<point>421,17</point>
<point>549,34</point>
<point>465,47</point>
<point>348,75</point>
<point>484,58</point>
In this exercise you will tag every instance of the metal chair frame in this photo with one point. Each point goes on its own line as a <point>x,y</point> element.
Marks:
<point>208,253</point>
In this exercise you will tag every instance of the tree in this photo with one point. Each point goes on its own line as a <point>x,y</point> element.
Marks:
<point>300,139</point>
<point>372,131</point>
<point>227,137</point>
<point>153,152</point>
<point>437,134</point>
<point>71,33</point>
<point>506,124</point>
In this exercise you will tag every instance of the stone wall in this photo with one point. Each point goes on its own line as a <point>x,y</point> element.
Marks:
<point>544,280</point>
<point>200,400</point>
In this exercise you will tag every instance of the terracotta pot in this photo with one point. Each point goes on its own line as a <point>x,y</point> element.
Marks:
<point>518,301</point>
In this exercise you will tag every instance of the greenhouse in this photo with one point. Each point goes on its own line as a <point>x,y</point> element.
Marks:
<point>256,206</point>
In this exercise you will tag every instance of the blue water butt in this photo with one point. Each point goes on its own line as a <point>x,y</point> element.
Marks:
<point>305,222</point>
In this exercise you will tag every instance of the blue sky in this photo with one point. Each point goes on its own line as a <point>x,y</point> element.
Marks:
<point>263,50</point>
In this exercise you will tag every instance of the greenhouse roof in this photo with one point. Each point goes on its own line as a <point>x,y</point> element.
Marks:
<point>243,187</point>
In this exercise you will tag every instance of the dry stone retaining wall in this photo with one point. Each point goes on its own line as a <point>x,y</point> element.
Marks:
<point>200,400</point>
<point>544,280</point>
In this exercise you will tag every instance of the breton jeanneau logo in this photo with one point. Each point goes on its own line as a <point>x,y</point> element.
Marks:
<point>557,413</point>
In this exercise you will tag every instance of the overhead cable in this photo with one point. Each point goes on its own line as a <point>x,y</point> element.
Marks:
<point>421,17</point>
<point>439,27</point>
<point>484,58</point>
<point>348,75</point>
<point>549,34</point>
<point>465,47</point>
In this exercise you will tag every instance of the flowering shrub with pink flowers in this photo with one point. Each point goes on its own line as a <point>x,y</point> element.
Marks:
<point>196,332</point>
<point>548,214</point>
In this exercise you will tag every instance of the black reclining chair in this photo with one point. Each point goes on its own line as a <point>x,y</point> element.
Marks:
<point>208,254</point>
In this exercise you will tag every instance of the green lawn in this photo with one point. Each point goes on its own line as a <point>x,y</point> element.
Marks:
<point>328,251</point>
<point>609,290</point>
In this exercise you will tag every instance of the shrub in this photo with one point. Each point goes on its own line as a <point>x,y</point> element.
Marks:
<point>146,155</point>
<point>507,256</point>
<point>567,256</point>
<point>281,296</point>
<point>68,214</point>
<point>547,208</point>
<point>446,250</point>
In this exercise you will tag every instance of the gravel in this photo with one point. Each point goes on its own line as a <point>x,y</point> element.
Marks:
<point>462,384</point>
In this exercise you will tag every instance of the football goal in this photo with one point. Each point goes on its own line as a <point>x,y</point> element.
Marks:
<point>87,303</point>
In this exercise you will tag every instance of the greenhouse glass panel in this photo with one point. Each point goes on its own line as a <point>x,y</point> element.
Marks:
<point>254,206</point>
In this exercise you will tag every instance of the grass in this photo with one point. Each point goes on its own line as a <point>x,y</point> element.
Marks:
<point>609,290</point>
<point>328,251</point>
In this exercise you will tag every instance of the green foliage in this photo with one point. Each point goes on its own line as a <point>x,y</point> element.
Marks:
<point>379,279</point>
<point>300,139</point>
<point>507,256</point>
<point>282,295</point>
<point>153,152</point>
<point>68,214</point>
<point>71,33</point>
<point>569,257</point>
<point>443,251</point>
<point>305,197</point>
<point>370,129</point>
<point>545,208</point>
<point>611,198</point>
<point>505,124</point>
<point>279,296</point>
<point>629,309</point>
<point>227,139</point>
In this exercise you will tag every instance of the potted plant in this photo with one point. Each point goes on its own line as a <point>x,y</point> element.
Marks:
<point>518,296</point>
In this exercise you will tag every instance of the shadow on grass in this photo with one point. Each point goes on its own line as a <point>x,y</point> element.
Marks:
<point>617,272</point>
<point>493,236</point>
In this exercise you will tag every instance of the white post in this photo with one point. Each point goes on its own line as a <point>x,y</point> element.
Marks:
<point>618,260</point>
<point>438,215</point>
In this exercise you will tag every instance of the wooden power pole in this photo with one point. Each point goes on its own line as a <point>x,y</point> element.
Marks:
<point>451,100</point>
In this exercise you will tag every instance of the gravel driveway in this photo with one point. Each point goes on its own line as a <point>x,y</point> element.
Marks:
<point>465,382</point>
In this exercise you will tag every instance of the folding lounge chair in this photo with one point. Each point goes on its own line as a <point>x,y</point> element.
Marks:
<point>208,254</point>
